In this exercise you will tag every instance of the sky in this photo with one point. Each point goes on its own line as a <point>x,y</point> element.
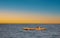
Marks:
<point>30,11</point>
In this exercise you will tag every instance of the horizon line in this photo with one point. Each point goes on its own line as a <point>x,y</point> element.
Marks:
<point>29,23</point>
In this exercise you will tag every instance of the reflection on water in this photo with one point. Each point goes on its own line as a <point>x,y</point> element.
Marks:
<point>16,31</point>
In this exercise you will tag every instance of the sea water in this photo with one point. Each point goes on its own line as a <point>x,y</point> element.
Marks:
<point>16,31</point>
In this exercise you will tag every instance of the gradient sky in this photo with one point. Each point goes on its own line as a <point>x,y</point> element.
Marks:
<point>29,11</point>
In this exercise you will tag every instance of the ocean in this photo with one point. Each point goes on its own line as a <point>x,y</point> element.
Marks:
<point>16,31</point>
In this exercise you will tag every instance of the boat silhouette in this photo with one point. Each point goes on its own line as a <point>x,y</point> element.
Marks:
<point>37,28</point>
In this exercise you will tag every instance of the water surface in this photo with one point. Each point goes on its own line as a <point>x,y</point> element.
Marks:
<point>16,31</point>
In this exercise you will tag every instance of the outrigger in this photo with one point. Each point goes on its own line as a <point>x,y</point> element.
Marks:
<point>37,28</point>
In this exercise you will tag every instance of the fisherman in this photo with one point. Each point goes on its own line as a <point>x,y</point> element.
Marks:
<point>38,27</point>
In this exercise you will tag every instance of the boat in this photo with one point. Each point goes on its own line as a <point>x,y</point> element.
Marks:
<point>37,28</point>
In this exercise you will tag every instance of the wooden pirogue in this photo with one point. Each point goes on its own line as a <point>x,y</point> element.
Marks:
<point>37,28</point>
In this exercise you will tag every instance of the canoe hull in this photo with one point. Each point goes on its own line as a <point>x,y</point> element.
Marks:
<point>35,29</point>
